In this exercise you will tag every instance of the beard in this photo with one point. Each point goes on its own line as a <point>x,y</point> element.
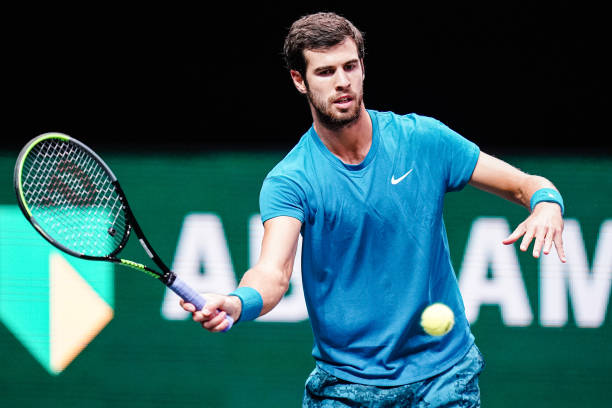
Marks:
<point>330,118</point>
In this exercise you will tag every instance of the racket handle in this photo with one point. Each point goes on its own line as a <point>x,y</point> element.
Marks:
<point>189,295</point>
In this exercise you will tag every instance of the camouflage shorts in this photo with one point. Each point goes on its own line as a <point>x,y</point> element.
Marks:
<point>455,387</point>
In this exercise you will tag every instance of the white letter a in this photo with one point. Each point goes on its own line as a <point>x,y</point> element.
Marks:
<point>506,287</point>
<point>202,260</point>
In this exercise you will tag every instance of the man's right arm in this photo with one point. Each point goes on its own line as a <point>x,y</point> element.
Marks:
<point>269,277</point>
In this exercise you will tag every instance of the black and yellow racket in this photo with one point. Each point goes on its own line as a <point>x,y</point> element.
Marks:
<point>73,199</point>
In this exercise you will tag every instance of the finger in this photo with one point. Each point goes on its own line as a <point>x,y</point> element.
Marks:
<point>516,234</point>
<point>548,241</point>
<point>223,326</point>
<point>540,236</point>
<point>212,305</point>
<point>527,238</point>
<point>199,317</point>
<point>206,314</point>
<point>187,306</point>
<point>212,324</point>
<point>558,241</point>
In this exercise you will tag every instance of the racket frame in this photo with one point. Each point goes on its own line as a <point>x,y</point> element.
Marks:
<point>166,276</point>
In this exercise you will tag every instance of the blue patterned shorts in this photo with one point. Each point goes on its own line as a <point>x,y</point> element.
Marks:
<point>455,387</point>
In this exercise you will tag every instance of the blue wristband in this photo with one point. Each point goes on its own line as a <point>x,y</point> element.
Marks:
<point>252,303</point>
<point>547,194</point>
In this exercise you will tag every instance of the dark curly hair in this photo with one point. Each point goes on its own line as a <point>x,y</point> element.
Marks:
<point>318,31</point>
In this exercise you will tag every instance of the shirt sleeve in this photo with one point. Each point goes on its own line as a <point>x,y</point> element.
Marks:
<point>461,157</point>
<point>280,196</point>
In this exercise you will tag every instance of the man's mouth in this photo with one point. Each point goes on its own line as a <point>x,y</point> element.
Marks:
<point>343,100</point>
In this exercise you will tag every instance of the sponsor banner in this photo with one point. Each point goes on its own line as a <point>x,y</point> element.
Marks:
<point>86,333</point>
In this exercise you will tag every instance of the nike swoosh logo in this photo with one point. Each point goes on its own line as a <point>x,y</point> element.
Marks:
<point>395,181</point>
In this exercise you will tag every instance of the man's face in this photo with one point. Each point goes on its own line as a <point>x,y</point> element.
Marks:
<point>334,83</point>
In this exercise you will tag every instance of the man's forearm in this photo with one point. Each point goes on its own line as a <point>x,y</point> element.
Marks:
<point>530,185</point>
<point>271,283</point>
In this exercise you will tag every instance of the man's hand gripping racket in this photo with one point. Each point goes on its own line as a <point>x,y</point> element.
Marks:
<point>73,199</point>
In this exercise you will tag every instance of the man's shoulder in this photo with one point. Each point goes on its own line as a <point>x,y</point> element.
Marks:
<point>410,128</point>
<point>415,120</point>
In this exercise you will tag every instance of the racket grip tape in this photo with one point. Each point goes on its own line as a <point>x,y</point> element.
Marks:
<point>189,295</point>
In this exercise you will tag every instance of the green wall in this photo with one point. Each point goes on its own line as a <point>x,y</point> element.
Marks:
<point>145,357</point>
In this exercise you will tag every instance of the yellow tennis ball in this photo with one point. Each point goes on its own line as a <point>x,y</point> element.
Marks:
<point>437,319</point>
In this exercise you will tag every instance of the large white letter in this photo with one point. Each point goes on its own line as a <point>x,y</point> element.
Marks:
<point>292,307</point>
<point>506,287</point>
<point>202,259</point>
<point>590,292</point>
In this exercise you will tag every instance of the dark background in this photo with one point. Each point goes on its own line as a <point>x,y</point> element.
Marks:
<point>511,77</point>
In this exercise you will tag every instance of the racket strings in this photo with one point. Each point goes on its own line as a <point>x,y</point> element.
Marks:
<point>72,197</point>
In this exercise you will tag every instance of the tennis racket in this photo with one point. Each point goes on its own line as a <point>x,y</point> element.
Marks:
<point>73,199</point>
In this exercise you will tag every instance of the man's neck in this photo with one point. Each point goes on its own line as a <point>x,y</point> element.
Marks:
<point>350,143</point>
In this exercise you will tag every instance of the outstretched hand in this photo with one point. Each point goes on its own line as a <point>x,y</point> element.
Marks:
<point>545,224</point>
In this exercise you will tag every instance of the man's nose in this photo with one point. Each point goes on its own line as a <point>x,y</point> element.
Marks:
<point>342,79</point>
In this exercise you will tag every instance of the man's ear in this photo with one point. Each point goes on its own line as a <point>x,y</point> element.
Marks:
<point>298,81</point>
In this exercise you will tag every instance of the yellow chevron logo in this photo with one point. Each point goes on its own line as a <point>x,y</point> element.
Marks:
<point>77,313</point>
<point>53,303</point>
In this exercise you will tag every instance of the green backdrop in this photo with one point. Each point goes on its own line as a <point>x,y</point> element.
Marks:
<point>143,358</point>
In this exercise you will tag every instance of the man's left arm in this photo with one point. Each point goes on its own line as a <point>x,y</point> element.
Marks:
<point>544,224</point>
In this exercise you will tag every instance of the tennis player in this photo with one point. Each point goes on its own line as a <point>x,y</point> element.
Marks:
<point>365,188</point>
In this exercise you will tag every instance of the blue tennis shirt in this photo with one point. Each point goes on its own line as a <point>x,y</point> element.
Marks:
<point>375,251</point>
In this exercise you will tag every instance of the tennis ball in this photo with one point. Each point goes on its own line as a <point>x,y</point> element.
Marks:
<point>437,319</point>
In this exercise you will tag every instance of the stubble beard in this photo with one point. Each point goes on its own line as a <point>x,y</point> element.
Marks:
<point>332,120</point>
